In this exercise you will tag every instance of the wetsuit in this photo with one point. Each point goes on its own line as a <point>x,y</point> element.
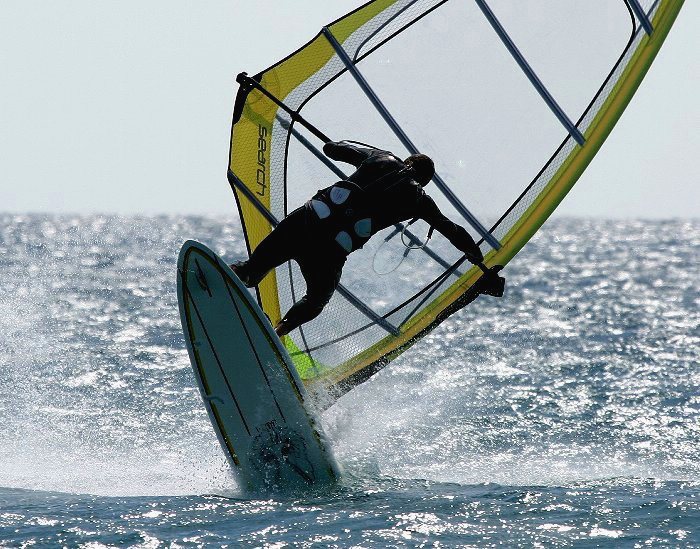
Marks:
<point>384,193</point>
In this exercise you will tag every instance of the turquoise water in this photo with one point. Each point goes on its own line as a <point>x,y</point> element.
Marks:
<point>566,413</point>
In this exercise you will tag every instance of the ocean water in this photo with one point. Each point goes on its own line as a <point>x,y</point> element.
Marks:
<point>565,414</point>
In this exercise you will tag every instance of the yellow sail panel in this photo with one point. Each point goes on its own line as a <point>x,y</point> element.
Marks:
<point>250,164</point>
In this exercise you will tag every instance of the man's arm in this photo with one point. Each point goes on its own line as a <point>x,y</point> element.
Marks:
<point>349,153</point>
<point>457,235</point>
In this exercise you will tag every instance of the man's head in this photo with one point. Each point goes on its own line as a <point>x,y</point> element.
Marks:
<point>422,166</point>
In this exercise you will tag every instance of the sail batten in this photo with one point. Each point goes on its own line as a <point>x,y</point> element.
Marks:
<point>642,16</point>
<point>532,76</point>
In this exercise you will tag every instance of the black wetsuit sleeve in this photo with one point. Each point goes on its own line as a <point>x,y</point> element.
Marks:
<point>457,235</point>
<point>348,152</point>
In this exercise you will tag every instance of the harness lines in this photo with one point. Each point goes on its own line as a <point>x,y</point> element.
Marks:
<point>413,244</point>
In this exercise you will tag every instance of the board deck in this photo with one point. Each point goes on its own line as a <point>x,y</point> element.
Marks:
<point>255,399</point>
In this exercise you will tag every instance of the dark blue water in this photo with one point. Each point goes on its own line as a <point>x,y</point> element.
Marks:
<point>566,413</point>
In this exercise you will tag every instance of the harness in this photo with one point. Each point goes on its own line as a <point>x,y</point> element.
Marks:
<point>345,208</point>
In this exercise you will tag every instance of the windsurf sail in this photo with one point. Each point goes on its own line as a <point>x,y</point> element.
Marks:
<point>512,100</point>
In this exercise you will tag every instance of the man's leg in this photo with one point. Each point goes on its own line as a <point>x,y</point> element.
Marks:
<point>322,279</point>
<point>279,246</point>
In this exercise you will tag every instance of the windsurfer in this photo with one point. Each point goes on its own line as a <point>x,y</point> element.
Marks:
<point>340,219</point>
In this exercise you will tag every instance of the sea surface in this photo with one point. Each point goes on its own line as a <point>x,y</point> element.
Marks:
<point>566,413</point>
